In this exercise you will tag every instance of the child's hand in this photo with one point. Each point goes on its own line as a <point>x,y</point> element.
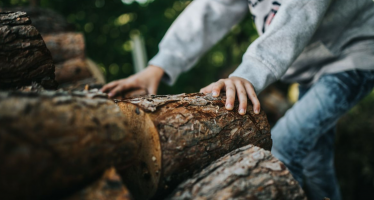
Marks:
<point>232,86</point>
<point>148,79</point>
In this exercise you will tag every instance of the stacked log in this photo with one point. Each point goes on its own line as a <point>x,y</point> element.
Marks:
<point>53,143</point>
<point>56,144</point>
<point>44,19</point>
<point>183,134</point>
<point>24,57</point>
<point>108,187</point>
<point>66,46</point>
<point>245,173</point>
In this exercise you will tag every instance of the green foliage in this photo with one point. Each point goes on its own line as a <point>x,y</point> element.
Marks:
<point>108,24</point>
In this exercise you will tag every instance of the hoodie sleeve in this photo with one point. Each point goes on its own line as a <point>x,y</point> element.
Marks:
<point>201,25</point>
<point>269,57</point>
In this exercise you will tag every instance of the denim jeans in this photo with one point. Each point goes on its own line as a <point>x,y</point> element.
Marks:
<point>304,138</point>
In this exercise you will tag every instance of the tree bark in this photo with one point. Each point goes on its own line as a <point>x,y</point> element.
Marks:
<point>178,135</point>
<point>108,187</point>
<point>46,21</point>
<point>24,57</point>
<point>246,173</point>
<point>53,143</point>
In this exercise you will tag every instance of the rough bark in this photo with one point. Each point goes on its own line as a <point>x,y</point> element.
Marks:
<point>45,20</point>
<point>181,134</point>
<point>65,45</point>
<point>108,187</point>
<point>24,57</point>
<point>53,143</point>
<point>246,173</point>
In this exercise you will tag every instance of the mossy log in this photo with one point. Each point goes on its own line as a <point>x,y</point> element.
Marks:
<point>24,57</point>
<point>245,173</point>
<point>179,135</point>
<point>54,143</point>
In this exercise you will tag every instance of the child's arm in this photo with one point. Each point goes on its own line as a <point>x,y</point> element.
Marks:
<point>268,58</point>
<point>202,24</point>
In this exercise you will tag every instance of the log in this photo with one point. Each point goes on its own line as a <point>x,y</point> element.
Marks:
<point>246,173</point>
<point>72,71</point>
<point>53,143</point>
<point>108,187</point>
<point>46,21</point>
<point>78,74</point>
<point>65,45</point>
<point>24,57</point>
<point>179,135</point>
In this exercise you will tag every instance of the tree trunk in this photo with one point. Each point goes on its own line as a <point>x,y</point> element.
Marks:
<point>246,173</point>
<point>108,187</point>
<point>53,143</point>
<point>24,57</point>
<point>178,135</point>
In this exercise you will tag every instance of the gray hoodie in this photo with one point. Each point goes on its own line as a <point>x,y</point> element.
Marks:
<point>300,40</point>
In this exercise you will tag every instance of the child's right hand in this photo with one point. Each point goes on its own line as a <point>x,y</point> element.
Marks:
<point>148,79</point>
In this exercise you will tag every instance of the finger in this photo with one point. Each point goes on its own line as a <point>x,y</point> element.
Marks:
<point>253,97</point>
<point>207,89</point>
<point>115,91</point>
<point>109,86</point>
<point>120,87</point>
<point>242,96</point>
<point>230,94</point>
<point>217,87</point>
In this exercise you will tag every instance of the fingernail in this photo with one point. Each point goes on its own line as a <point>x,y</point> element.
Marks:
<point>229,106</point>
<point>242,111</point>
<point>110,95</point>
<point>215,94</point>
<point>257,111</point>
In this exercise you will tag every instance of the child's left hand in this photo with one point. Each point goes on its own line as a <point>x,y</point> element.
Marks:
<point>233,86</point>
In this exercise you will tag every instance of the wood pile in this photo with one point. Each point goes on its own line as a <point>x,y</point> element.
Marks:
<point>78,144</point>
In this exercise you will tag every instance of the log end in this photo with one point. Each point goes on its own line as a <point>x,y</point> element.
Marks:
<point>144,174</point>
<point>108,187</point>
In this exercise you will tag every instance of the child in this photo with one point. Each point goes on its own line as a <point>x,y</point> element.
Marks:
<point>327,46</point>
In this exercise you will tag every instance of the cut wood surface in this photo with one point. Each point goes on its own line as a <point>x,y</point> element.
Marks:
<point>24,57</point>
<point>53,143</point>
<point>108,187</point>
<point>178,135</point>
<point>246,173</point>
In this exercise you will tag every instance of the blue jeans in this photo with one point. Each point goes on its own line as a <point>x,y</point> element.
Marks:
<point>304,138</point>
